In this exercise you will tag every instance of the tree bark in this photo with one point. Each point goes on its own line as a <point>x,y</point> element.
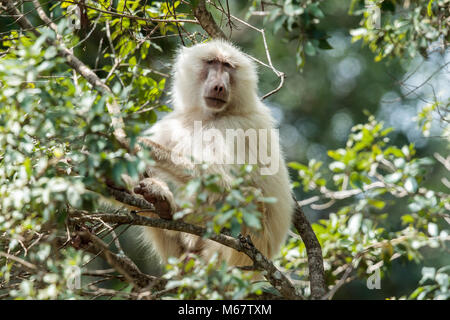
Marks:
<point>314,252</point>
<point>207,22</point>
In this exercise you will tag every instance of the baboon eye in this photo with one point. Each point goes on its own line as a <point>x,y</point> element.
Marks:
<point>210,61</point>
<point>228,65</point>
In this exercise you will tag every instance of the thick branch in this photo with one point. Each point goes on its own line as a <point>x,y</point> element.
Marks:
<point>314,252</point>
<point>206,20</point>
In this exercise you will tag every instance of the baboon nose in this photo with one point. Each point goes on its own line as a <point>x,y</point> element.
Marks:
<point>218,88</point>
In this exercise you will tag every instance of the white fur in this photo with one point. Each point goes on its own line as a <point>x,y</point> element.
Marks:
<point>244,111</point>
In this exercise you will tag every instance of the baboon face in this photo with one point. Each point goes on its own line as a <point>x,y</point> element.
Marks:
<point>217,77</point>
<point>214,77</point>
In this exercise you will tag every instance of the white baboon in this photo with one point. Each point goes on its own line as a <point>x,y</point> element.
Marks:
<point>216,83</point>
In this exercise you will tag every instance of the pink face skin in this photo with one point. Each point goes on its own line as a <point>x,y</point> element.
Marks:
<point>217,76</point>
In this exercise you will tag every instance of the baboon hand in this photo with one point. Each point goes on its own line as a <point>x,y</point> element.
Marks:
<point>157,193</point>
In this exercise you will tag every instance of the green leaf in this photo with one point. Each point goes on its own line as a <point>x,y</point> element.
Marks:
<point>376,203</point>
<point>324,44</point>
<point>74,197</point>
<point>393,177</point>
<point>315,10</point>
<point>251,220</point>
<point>309,48</point>
<point>354,223</point>
<point>193,187</point>
<point>407,218</point>
<point>428,273</point>
<point>297,166</point>
<point>27,165</point>
<point>411,185</point>
<point>337,154</point>
<point>235,228</point>
<point>430,8</point>
<point>433,229</point>
<point>337,166</point>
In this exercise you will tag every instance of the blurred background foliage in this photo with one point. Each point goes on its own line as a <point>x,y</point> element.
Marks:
<point>363,118</point>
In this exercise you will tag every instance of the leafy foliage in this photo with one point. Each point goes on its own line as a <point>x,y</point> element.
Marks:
<point>367,231</point>
<point>390,30</point>
<point>437,284</point>
<point>192,278</point>
<point>300,21</point>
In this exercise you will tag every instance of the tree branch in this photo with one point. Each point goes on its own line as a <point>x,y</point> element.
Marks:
<point>314,252</point>
<point>206,20</point>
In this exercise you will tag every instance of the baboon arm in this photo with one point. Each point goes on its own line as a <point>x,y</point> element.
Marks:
<point>168,161</point>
